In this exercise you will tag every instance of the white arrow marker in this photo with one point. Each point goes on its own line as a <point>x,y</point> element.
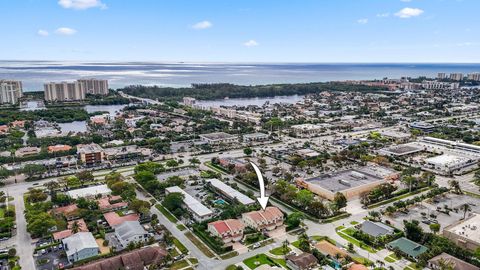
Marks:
<point>263,200</point>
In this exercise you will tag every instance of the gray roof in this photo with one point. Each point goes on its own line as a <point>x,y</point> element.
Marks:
<point>375,229</point>
<point>128,229</point>
<point>78,242</point>
<point>193,204</point>
<point>231,192</point>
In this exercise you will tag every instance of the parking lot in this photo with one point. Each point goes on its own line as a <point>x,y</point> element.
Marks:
<point>438,208</point>
<point>51,260</point>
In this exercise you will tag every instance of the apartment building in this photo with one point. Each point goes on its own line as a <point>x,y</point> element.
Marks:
<point>64,91</point>
<point>456,76</point>
<point>10,91</point>
<point>229,230</point>
<point>474,76</point>
<point>95,86</point>
<point>268,219</point>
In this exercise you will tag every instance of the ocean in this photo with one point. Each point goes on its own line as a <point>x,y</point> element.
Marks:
<point>120,74</point>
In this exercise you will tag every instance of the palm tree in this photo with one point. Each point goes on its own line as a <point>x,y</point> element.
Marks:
<point>465,207</point>
<point>285,246</point>
<point>75,227</point>
<point>445,264</point>
<point>455,185</point>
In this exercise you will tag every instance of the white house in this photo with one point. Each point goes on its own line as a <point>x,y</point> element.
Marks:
<point>80,246</point>
<point>130,231</point>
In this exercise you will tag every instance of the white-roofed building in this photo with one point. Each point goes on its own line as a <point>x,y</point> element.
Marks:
<point>80,246</point>
<point>199,211</point>
<point>130,231</point>
<point>91,191</point>
<point>230,192</point>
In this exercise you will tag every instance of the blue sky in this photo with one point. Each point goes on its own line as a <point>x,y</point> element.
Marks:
<point>241,30</point>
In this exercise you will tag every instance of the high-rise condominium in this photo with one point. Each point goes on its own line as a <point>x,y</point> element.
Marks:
<point>456,76</point>
<point>95,86</point>
<point>64,91</point>
<point>10,91</point>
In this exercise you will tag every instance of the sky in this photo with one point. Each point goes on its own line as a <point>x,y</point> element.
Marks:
<point>241,30</point>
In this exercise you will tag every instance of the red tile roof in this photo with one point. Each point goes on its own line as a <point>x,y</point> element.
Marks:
<point>220,226</point>
<point>113,219</point>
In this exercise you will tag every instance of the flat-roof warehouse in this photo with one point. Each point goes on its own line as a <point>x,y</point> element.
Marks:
<point>351,182</point>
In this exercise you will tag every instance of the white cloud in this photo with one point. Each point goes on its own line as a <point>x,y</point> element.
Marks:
<point>42,33</point>
<point>202,25</point>
<point>383,15</point>
<point>362,21</point>
<point>407,12</point>
<point>82,4</point>
<point>251,43</point>
<point>65,31</point>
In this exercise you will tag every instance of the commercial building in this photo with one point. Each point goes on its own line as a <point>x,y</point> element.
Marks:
<point>80,246</point>
<point>218,138</point>
<point>64,91</point>
<point>400,150</point>
<point>423,126</point>
<point>465,233</point>
<point>436,262</point>
<point>229,192</point>
<point>350,182</point>
<point>229,230</point>
<point>59,148</point>
<point>307,130</point>
<point>375,229</point>
<point>90,154</point>
<point>441,75</point>
<point>239,165</point>
<point>255,137</point>
<point>27,151</point>
<point>131,231</point>
<point>126,152</point>
<point>91,191</point>
<point>95,86</point>
<point>136,259</point>
<point>409,248</point>
<point>397,136</point>
<point>10,91</point>
<point>268,219</point>
<point>199,211</point>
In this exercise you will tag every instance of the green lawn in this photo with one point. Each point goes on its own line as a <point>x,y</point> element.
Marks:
<point>193,260</point>
<point>166,213</point>
<point>399,197</point>
<point>256,261</point>
<point>200,245</point>
<point>347,235</point>
<point>354,223</point>
<point>296,244</point>
<point>229,255</point>
<point>2,212</point>
<point>280,251</point>
<point>391,258</point>
<point>412,266</point>
<point>181,227</point>
<point>179,265</point>
<point>180,246</point>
